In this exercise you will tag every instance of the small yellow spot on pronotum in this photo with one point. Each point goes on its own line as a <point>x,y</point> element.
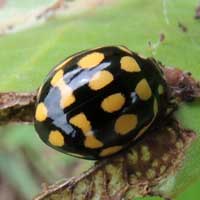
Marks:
<point>160,90</point>
<point>126,123</point>
<point>57,78</point>
<point>125,49</point>
<point>100,80</point>
<point>113,102</point>
<point>41,112</point>
<point>92,142</point>
<point>56,138</point>
<point>162,169</point>
<point>91,60</point>
<point>80,120</point>
<point>151,173</point>
<point>129,64</point>
<point>143,90</point>
<point>155,163</point>
<point>146,155</point>
<point>110,150</point>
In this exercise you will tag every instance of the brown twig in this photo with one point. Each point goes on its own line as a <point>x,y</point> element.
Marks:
<point>17,107</point>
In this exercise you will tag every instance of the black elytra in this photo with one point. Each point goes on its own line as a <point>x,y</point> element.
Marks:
<point>96,102</point>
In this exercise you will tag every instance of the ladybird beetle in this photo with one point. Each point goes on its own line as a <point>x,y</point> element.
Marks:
<point>98,101</point>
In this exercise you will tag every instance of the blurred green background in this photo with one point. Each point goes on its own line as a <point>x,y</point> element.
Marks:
<point>27,55</point>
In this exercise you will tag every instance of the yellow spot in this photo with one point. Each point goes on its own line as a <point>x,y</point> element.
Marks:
<point>92,142</point>
<point>129,64</point>
<point>160,90</point>
<point>143,90</point>
<point>41,112</point>
<point>91,60</point>
<point>63,63</point>
<point>155,107</point>
<point>113,102</point>
<point>125,49</point>
<point>57,78</point>
<point>162,169</point>
<point>100,80</point>
<point>151,173</point>
<point>56,138</point>
<point>110,150</point>
<point>155,163</point>
<point>67,97</point>
<point>81,121</point>
<point>146,155</point>
<point>126,123</point>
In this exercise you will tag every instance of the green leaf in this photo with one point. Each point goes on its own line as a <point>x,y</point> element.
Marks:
<point>14,168</point>
<point>26,57</point>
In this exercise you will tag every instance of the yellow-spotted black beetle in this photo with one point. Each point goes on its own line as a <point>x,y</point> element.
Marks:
<point>96,102</point>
